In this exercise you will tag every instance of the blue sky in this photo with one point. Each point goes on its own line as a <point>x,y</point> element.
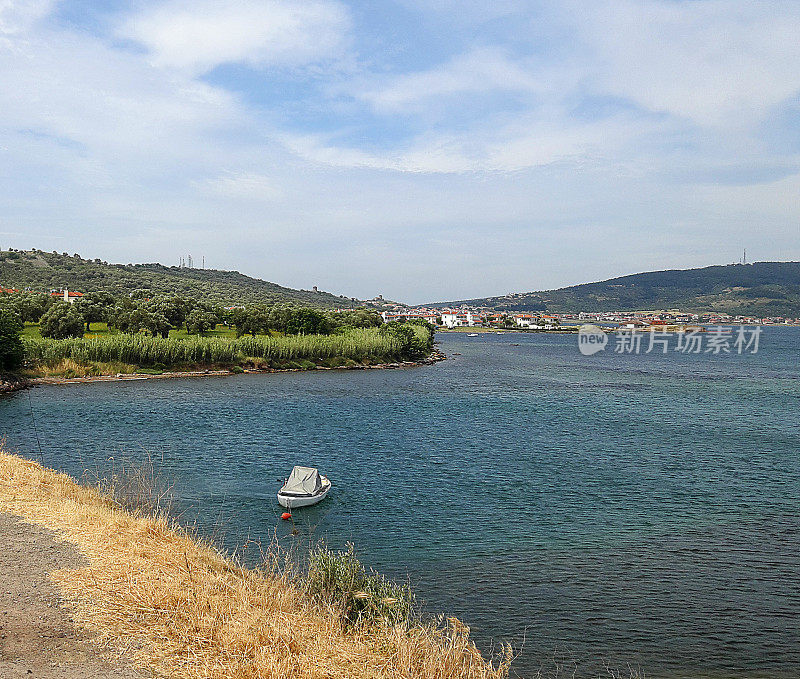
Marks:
<point>425,150</point>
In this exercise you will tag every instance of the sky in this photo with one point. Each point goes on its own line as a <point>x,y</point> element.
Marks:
<point>424,150</point>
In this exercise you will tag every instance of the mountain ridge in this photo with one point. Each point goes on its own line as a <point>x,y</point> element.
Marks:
<point>764,289</point>
<point>43,271</point>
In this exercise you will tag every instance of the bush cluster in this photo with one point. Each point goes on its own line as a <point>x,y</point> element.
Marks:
<point>363,596</point>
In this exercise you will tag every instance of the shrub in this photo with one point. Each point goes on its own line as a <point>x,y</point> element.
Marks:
<point>362,596</point>
<point>11,347</point>
<point>61,321</point>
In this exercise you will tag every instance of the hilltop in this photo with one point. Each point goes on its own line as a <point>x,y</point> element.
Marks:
<point>43,271</point>
<point>761,289</point>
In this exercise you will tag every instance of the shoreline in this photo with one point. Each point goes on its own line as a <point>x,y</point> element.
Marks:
<point>10,384</point>
<point>167,602</point>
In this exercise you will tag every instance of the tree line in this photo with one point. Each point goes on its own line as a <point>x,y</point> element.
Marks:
<point>158,315</point>
<point>135,314</point>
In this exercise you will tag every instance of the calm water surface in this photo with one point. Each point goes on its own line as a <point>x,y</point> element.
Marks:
<point>611,510</point>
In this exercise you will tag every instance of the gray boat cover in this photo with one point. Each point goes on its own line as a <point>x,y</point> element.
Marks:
<point>303,480</point>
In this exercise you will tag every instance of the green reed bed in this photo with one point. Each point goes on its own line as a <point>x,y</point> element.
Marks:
<point>356,345</point>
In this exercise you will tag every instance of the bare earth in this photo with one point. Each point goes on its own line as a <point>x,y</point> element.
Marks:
<point>37,635</point>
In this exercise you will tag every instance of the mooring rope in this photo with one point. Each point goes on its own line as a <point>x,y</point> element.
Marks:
<point>35,429</point>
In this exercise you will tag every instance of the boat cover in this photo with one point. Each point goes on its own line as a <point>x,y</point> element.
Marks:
<point>303,480</point>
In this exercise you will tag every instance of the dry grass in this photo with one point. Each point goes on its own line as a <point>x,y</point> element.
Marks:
<point>69,367</point>
<point>181,609</point>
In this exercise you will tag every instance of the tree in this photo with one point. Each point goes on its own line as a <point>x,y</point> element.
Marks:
<point>307,321</point>
<point>155,323</point>
<point>200,321</point>
<point>94,307</point>
<point>136,319</point>
<point>356,318</point>
<point>402,332</point>
<point>279,315</point>
<point>28,306</point>
<point>174,309</point>
<point>252,320</point>
<point>410,342</point>
<point>61,321</point>
<point>11,348</point>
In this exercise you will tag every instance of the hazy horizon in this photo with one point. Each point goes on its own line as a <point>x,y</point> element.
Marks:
<point>419,150</point>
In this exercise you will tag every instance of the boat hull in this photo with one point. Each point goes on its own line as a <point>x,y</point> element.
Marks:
<point>293,501</point>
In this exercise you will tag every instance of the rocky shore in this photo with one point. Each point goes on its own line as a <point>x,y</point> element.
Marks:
<point>9,383</point>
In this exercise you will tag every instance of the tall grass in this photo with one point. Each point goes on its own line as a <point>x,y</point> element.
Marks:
<point>356,344</point>
<point>363,597</point>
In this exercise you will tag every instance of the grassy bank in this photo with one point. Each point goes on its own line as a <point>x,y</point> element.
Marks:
<point>121,353</point>
<point>179,608</point>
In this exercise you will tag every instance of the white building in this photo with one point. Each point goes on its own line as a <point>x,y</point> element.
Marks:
<point>458,319</point>
<point>66,295</point>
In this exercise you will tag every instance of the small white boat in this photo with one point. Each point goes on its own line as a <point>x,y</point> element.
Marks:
<point>304,487</point>
<point>473,334</point>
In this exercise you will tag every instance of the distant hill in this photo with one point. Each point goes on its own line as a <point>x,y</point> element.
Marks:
<point>763,289</point>
<point>44,271</point>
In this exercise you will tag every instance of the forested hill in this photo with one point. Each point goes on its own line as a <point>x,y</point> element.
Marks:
<point>44,271</point>
<point>762,289</point>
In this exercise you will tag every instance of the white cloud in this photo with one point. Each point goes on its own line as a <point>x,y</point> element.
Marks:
<point>131,156</point>
<point>104,102</point>
<point>197,36</point>
<point>715,62</point>
<point>245,185</point>
<point>480,71</point>
<point>18,15</point>
<point>526,143</point>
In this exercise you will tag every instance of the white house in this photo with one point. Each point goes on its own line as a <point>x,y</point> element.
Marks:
<point>66,295</point>
<point>457,319</point>
<point>451,320</point>
<point>525,320</point>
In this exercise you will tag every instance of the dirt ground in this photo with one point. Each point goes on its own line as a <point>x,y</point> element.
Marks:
<point>37,635</point>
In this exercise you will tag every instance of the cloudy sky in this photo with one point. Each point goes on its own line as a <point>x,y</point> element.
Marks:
<point>422,149</point>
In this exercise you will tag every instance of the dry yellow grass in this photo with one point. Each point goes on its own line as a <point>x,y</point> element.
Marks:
<point>181,609</point>
<point>68,367</point>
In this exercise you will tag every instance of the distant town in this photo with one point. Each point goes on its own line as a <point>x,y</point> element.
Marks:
<point>465,316</point>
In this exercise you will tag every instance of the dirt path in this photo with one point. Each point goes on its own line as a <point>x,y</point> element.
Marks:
<point>37,637</point>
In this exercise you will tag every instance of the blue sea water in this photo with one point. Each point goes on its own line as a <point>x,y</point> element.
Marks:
<point>608,511</point>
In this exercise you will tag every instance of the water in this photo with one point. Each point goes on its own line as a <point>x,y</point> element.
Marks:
<point>611,510</point>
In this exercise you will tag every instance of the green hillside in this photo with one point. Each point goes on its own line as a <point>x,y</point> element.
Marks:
<point>44,271</point>
<point>763,289</point>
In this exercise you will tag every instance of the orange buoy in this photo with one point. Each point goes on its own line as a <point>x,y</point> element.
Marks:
<point>285,516</point>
